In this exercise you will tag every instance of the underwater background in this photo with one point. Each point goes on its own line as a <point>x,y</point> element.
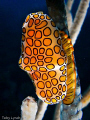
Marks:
<point>15,84</point>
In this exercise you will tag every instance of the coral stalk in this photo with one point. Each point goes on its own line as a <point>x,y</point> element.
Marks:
<point>57,12</point>
<point>86,98</point>
<point>28,109</point>
<point>69,18</point>
<point>70,4</point>
<point>79,19</point>
<point>57,112</point>
<point>74,110</point>
<point>42,107</point>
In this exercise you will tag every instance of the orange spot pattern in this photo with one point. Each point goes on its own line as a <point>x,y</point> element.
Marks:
<point>43,57</point>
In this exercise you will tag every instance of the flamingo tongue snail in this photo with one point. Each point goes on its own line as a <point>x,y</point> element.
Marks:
<point>47,57</point>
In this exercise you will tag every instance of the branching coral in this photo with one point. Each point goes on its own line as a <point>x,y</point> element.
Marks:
<point>78,20</point>
<point>67,112</point>
<point>28,109</point>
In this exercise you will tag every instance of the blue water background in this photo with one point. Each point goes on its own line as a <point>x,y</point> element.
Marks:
<point>15,84</point>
